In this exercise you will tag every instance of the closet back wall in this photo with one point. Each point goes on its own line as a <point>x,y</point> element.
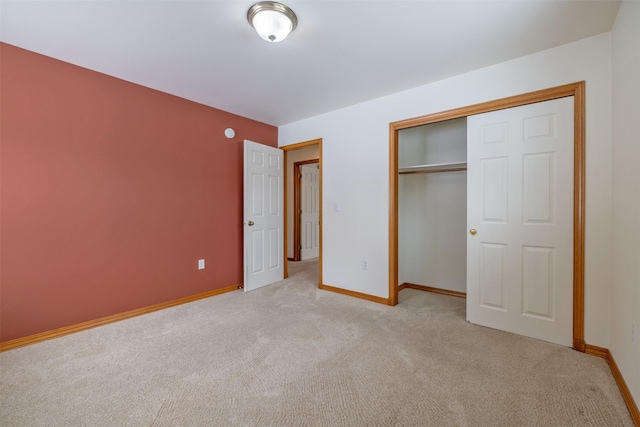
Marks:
<point>111,192</point>
<point>432,207</point>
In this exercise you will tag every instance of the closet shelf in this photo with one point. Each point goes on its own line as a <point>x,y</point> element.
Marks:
<point>437,167</point>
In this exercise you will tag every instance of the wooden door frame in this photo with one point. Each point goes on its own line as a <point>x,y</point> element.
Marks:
<point>577,90</point>
<point>297,216</point>
<point>286,149</point>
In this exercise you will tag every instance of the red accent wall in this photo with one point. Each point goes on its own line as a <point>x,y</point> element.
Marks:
<point>110,192</point>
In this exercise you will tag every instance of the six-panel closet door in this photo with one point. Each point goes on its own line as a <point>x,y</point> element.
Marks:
<point>520,217</point>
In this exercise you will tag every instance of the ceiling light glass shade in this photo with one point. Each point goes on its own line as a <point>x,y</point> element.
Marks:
<point>272,21</point>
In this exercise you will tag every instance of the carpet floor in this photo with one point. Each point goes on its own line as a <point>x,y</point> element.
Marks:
<point>290,354</point>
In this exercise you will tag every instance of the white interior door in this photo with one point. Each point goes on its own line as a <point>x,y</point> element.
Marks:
<point>310,215</point>
<point>263,216</point>
<point>520,205</point>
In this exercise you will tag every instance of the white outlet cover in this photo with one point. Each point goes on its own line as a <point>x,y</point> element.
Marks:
<point>200,264</point>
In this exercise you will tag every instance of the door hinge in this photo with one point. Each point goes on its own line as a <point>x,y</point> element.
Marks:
<point>299,176</point>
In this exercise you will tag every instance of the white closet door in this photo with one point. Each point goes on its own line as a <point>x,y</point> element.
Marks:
<point>520,202</point>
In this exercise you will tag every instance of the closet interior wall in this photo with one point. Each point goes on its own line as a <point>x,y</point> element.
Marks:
<point>432,206</point>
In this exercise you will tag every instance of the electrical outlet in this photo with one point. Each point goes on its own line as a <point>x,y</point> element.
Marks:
<point>365,264</point>
<point>200,264</point>
<point>634,333</point>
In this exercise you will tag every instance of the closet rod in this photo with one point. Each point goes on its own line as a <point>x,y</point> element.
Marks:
<point>434,171</point>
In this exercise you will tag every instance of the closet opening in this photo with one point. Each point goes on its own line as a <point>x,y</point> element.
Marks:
<point>432,207</point>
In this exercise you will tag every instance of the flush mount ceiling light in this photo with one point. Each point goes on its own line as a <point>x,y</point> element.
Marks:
<point>272,21</point>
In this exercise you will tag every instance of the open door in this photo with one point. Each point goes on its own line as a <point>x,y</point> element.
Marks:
<point>309,211</point>
<point>263,215</point>
<point>520,220</point>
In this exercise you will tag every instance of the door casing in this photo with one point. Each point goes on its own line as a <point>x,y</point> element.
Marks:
<point>577,90</point>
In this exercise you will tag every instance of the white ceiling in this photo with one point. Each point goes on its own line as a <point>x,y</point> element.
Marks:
<point>342,53</point>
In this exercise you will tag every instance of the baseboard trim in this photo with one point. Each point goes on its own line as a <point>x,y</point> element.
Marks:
<point>71,329</point>
<point>581,346</point>
<point>432,289</point>
<point>360,295</point>
<point>594,350</point>
<point>604,353</point>
<point>626,393</point>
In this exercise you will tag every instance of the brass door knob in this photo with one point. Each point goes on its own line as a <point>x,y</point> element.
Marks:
<point>250,223</point>
<point>473,231</point>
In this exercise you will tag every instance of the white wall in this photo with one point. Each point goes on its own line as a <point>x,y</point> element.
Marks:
<point>306,153</point>
<point>625,283</point>
<point>432,207</point>
<point>356,165</point>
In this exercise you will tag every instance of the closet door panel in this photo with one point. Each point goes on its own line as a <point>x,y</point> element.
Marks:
<point>539,188</point>
<point>493,190</point>
<point>493,275</point>
<point>538,284</point>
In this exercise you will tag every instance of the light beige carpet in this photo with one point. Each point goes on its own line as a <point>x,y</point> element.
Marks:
<point>292,355</point>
